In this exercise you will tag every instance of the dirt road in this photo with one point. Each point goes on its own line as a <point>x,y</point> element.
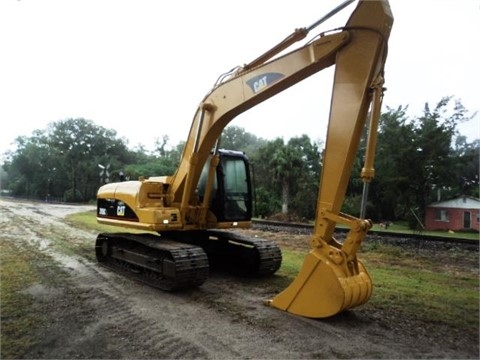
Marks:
<point>89,312</point>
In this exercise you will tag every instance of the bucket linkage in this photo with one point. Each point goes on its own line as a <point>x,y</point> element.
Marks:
<point>331,279</point>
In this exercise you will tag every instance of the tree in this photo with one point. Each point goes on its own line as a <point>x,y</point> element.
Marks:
<point>465,169</point>
<point>305,183</point>
<point>289,169</point>
<point>29,165</point>
<point>62,160</point>
<point>268,196</point>
<point>236,138</point>
<point>415,158</point>
<point>82,145</point>
<point>395,147</point>
<point>433,161</point>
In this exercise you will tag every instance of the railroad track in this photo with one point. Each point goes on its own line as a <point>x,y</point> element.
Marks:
<point>412,240</point>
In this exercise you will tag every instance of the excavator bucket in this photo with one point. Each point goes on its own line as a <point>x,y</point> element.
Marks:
<point>325,287</point>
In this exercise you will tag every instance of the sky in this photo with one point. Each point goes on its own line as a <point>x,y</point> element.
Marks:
<point>141,67</point>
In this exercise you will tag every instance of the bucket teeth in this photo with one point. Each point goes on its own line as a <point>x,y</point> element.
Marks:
<point>323,289</point>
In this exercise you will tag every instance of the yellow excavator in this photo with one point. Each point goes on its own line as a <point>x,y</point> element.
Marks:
<point>187,221</point>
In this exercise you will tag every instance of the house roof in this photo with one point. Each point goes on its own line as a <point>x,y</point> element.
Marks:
<point>461,202</point>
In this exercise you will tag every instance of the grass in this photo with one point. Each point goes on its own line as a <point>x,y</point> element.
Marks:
<point>443,284</point>
<point>19,320</point>
<point>88,220</point>
<point>440,297</point>
<point>402,228</point>
<point>23,266</point>
<point>291,263</point>
<point>414,286</point>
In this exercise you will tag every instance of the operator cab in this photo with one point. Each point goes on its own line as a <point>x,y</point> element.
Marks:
<point>232,191</point>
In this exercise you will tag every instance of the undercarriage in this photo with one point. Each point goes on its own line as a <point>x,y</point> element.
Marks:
<point>180,260</point>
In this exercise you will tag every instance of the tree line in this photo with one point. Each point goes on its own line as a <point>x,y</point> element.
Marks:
<point>418,161</point>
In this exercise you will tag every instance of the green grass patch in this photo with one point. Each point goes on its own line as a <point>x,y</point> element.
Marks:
<point>88,220</point>
<point>403,229</point>
<point>429,295</point>
<point>291,263</point>
<point>18,317</point>
<point>415,286</point>
<point>438,288</point>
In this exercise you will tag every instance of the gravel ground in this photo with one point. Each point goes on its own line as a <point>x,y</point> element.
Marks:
<point>90,312</point>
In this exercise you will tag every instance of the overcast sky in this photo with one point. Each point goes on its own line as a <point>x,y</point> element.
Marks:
<point>142,66</point>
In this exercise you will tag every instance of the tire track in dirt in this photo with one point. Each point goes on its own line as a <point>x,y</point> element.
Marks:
<point>160,341</point>
<point>109,313</point>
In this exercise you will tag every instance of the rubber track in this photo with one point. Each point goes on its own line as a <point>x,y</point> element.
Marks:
<point>191,262</point>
